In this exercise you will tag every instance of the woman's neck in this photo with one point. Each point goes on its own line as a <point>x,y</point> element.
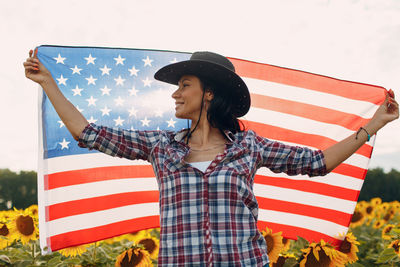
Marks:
<point>205,135</point>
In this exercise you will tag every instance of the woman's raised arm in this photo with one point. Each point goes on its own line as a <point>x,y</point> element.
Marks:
<point>72,118</point>
<point>339,152</point>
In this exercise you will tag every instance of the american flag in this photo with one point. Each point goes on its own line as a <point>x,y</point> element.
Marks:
<point>85,196</point>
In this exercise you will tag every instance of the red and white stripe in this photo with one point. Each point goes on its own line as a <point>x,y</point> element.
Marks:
<point>92,197</point>
<point>311,110</point>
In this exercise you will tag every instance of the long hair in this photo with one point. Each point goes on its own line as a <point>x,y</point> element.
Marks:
<point>220,111</point>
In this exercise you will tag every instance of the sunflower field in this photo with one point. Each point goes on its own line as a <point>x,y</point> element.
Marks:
<point>373,240</point>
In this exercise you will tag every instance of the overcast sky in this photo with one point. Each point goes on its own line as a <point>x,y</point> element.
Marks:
<point>351,40</point>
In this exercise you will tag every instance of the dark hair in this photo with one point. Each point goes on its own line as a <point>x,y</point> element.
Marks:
<point>220,111</point>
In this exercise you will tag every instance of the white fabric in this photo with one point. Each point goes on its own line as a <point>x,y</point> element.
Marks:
<point>201,165</point>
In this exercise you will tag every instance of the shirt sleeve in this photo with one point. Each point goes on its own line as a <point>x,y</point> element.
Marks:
<point>118,142</point>
<point>292,160</point>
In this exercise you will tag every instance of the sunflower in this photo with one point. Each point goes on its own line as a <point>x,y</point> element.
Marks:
<point>22,226</point>
<point>286,244</point>
<point>4,234</point>
<point>73,251</point>
<point>133,257</point>
<point>369,210</point>
<point>386,231</point>
<point>282,259</point>
<point>274,244</point>
<point>357,219</point>
<point>378,224</point>
<point>390,213</point>
<point>349,247</point>
<point>395,205</point>
<point>150,244</point>
<point>322,254</point>
<point>33,210</point>
<point>362,204</point>
<point>376,201</point>
<point>395,245</point>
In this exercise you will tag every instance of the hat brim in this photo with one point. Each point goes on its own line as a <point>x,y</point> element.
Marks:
<point>214,73</point>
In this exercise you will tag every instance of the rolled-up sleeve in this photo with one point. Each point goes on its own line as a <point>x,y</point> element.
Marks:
<point>118,142</point>
<point>292,160</point>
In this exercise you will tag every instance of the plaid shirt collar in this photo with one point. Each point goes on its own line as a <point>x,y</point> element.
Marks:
<point>182,133</point>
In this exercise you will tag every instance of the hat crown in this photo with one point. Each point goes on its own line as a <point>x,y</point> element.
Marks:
<point>213,58</point>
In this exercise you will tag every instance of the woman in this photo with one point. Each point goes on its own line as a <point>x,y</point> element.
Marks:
<point>208,210</point>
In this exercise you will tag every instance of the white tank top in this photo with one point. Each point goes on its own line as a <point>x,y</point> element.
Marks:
<point>201,165</point>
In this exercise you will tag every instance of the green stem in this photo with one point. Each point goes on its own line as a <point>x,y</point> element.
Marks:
<point>33,252</point>
<point>94,252</point>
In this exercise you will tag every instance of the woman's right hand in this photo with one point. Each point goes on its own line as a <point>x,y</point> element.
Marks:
<point>35,70</point>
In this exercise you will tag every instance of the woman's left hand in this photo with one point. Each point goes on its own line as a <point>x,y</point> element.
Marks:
<point>388,111</point>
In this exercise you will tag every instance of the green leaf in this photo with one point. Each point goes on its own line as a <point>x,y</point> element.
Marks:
<point>5,259</point>
<point>290,262</point>
<point>72,261</point>
<point>356,264</point>
<point>386,255</point>
<point>54,261</point>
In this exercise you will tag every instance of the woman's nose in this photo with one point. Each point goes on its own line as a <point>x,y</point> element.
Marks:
<point>175,94</point>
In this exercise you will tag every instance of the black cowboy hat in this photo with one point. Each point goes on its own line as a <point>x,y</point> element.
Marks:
<point>214,68</point>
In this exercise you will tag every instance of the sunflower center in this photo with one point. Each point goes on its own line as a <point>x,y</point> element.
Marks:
<point>324,260</point>
<point>270,243</point>
<point>357,216</point>
<point>369,210</point>
<point>345,247</point>
<point>134,261</point>
<point>4,230</point>
<point>396,247</point>
<point>388,229</point>
<point>148,244</point>
<point>25,225</point>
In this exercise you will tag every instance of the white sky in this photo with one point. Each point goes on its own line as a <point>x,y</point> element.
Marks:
<point>351,40</point>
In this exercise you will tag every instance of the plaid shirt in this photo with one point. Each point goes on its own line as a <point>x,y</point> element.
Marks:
<point>207,218</point>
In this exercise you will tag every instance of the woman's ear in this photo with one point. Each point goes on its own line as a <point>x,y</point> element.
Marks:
<point>208,95</point>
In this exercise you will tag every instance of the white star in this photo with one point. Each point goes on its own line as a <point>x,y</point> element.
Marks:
<point>147,61</point>
<point>105,90</point>
<point>145,122</point>
<point>133,71</point>
<point>79,109</point>
<point>61,123</point>
<point>91,80</point>
<point>92,120</point>
<point>91,101</point>
<point>76,70</point>
<point>62,80</point>
<point>59,59</point>
<point>105,70</point>
<point>132,112</point>
<point>147,82</point>
<point>64,144</point>
<point>119,121</point>
<point>119,101</point>
<point>174,60</point>
<point>105,111</point>
<point>77,90</point>
<point>158,113</point>
<point>90,59</point>
<point>119,80</point>
<point>133,91</point>
<point>119,60</point>
<point>171,123</point>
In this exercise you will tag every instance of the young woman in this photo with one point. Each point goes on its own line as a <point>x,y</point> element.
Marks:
<point>208,210</point>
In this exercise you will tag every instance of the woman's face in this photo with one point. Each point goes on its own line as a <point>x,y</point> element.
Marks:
<point>188,97</point>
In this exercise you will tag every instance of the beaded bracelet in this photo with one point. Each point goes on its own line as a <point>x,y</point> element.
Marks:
<point>359,130</point>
